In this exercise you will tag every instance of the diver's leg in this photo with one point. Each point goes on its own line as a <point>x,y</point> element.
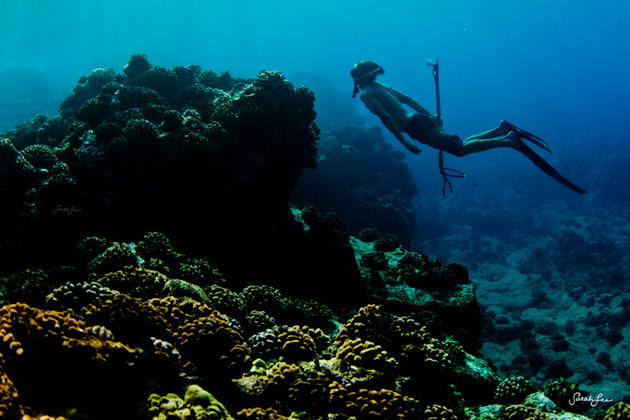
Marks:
<point>501,130</point>
<point>505,127</point>
<point>479,144</point>
<point>455,146</point>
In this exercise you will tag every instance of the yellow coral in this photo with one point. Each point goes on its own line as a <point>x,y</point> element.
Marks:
<point>198,404</point>
<point>358,352</point>
<point>8,396</point>
<point>521,412</point>
<point>439,412</point>
<point>619,411</point>
<point>372,404</point>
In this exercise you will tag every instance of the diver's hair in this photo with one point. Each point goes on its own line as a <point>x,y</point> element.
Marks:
<point>364,72</point>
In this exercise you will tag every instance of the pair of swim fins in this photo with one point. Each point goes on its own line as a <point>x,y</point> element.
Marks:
<point>537,159</point>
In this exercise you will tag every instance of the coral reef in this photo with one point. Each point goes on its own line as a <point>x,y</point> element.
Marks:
<point>289,387</point>
<point>135,281</point>
<point>216,348</point>
<point>197,404</point>
<point>76,295</point>
<point>331,263</point>
<point>48,344</point>
<point>258,413</point>
<point>27,285</point>
<point>438,412</point>
<point>619,411</point>
<point>413,280</point>
<point>372,404</point>
<point>275,311</point>
<point>220,158</point>
<point>363,179</point>
<point>521,412</point>
<point>8,396</point>
<point>513,390</point>
<point>353,353</point>
<point>290,342</point>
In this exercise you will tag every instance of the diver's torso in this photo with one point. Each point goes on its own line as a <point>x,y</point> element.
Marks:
<point>390,102</point>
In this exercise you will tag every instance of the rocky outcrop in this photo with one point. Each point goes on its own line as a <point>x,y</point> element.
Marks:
<point>363,179</point>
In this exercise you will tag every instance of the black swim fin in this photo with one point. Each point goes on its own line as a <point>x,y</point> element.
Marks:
<point>527,136</point>
<point>546,167</point>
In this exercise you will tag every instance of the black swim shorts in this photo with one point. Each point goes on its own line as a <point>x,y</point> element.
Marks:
<point>423,127</point>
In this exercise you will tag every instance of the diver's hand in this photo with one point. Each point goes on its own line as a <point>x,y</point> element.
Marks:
<point>413,149</point>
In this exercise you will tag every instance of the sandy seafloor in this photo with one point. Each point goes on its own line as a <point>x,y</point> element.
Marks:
<point>586,299</point>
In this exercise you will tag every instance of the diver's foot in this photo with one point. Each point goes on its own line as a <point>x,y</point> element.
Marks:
<point>515,140</point>
<point>505,126</point>
<point>526,135</point>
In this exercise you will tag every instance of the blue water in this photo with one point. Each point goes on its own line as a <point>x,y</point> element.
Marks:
<point>556,68</point>
<point>559,69</point>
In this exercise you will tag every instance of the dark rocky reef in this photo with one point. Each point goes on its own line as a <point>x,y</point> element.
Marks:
<point>363,179</point>
<point>206,158</point>
<point>409,280</point>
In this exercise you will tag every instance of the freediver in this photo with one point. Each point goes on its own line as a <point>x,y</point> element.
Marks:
<point>387,103</point>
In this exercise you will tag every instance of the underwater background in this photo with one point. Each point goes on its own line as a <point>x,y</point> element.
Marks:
<point>549,267</point>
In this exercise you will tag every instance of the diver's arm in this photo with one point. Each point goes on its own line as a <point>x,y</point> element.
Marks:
<point>375,107</point>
